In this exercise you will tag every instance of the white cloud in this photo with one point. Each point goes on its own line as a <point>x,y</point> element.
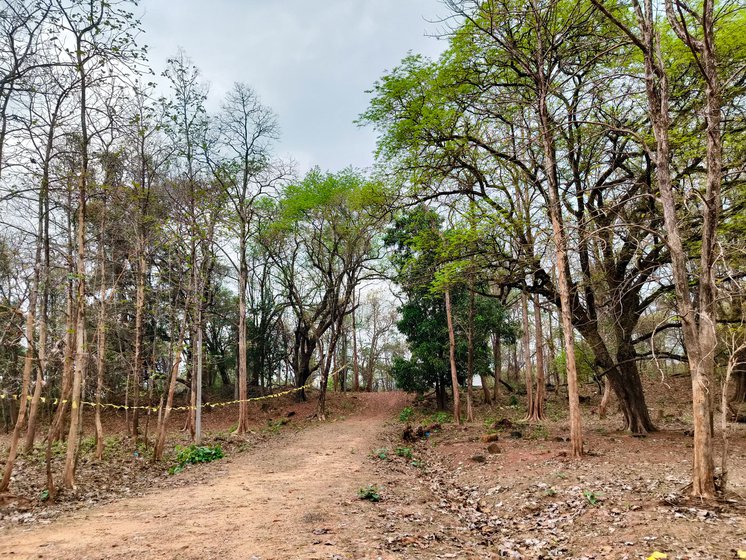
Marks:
<point>310,61</point>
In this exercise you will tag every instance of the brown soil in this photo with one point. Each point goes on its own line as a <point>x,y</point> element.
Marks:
<point>295,495</point>
<point>290,498</point>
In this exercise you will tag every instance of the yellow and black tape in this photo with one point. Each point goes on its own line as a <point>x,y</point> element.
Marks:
<point>156,408</point>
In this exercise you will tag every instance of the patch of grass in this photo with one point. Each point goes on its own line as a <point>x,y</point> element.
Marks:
<point>381,453</point>
<point>59,448</point>
<point>87,444</point>
<point>274,426</point>
<point>539,431</point>
<point>406,414</point>
<point>442,417</point>
<point>405,452</point>
<point>194,454</point>
<point>369,493</point>
<point>591,497</point>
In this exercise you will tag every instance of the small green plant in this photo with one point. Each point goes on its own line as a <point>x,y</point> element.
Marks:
<point>381,453</point>
<point>550,491</point>
<point>406,414</point>
<point>369,493</point>
<point>591,497</point>
<point>275,426</point>
<point>59,447</point>
<point>513,400</point>
<point>87,444</point>
<point>405,452</point>
<point>194,454</point>
<point>418,464</point>
<point>442,418</point>
<point>539,432</point>
<point>44,496</point>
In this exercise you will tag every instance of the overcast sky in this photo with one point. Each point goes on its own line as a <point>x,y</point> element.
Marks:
<point>311,61</point>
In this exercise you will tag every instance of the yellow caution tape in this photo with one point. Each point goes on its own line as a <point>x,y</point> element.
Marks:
<point>156,408</point>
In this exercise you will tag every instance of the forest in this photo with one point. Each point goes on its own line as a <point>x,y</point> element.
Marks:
<point>556,207</point>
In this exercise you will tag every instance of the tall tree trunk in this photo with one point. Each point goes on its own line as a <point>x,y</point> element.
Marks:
<point>101,342</point>
<point>355,362</point>
<point>702,361</point>
<point>198,382</point>
<point>563,264</point>
<point>35,399</point>
<point>452,360</point>
<point>497,363</point>
<point>470,358</point>
<point>71,321</point>
<point>163,423</point>
<point>527,366</point>
<point>537,410</point>
<point>243,405</point>
<point>137,365</point>
<point>28,366</point>
<point>81,333</point>
<point>698,317</point>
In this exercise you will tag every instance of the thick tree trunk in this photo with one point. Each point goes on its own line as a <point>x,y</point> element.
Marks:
<point>624,378</point>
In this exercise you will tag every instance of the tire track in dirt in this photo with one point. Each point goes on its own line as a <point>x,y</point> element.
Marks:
<point>287,499</point>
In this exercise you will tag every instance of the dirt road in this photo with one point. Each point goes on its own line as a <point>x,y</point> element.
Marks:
<point>292,498</point>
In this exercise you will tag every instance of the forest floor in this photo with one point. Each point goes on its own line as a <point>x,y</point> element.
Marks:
<point>292,492</point>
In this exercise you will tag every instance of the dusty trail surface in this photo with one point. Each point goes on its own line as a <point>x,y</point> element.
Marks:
<point>288,499</point>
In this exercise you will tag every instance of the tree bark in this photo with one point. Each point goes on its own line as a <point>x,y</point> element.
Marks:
<point>28,365</point>
<point>497,359</point>
<point>537,410</point>
<point>452,360</point>
<point>355,363</point>
<point>528,374</point>
<point>563,265</point>
<point>243,405</point>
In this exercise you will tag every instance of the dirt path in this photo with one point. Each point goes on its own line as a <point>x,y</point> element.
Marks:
<point>289,499</point>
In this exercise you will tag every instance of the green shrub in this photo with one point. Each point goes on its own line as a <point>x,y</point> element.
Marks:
<point>405,452</point>
<point>194,454</point>
<point>369,493</point>
<point>442,418</point>
<point>406,414</point>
